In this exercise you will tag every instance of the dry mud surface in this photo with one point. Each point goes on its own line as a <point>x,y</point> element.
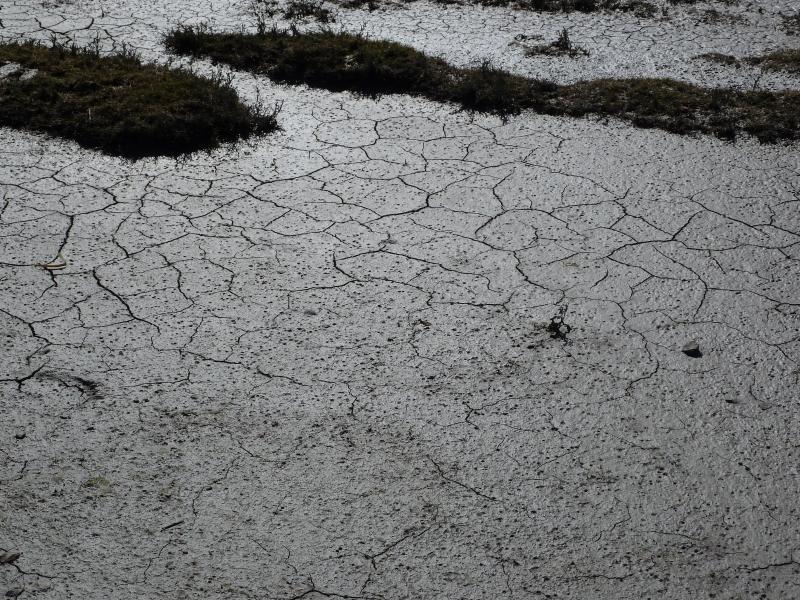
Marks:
<point>322,364</point>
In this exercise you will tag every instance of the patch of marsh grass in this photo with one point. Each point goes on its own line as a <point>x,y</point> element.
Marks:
<point>562,46</point>
<point>780,60</point>
<point>787,60</point>
<point>344,61</point>
<point>120,106</point>
<point>300,10</point>
<point>791,24</point>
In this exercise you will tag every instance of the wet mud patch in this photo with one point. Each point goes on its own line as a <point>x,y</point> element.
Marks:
<point>347,62</point>
<point>119,105</point>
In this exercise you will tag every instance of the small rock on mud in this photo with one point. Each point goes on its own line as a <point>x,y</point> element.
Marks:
<point>692,349</point>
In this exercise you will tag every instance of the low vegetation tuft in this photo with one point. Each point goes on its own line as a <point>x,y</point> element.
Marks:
<point>118,105</point>
<point>791,24</point>
<point>639,7</point>
<point>342,61</point>
<point>300,10</point>
<point>562,46</point>
<point>719,58</point>
<point>780,60</point>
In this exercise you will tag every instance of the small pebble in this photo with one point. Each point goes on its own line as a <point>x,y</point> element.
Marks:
<point>692,349</point>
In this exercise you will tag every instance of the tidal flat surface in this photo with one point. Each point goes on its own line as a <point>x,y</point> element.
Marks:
<point>400,351</point>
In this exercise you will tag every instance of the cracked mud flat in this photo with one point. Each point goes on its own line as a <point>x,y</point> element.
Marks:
<point>322,364</point>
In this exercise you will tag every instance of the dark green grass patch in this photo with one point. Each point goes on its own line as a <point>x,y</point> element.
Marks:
<point>341,61</point>
<point>781,60</point>
<point>555,5</point>
<point>720,59</point>
<point>119,105</point>
<point>791,24</point>
<point>562,46</point>
<point>308,9</point>
<point>640,8</point>
<point>586,6</point>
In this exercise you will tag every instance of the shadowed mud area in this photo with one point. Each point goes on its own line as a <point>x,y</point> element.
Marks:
<point>398,350</point>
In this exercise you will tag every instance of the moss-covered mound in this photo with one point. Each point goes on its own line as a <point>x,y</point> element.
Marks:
<point>119,105</point>
<point>341,61</point>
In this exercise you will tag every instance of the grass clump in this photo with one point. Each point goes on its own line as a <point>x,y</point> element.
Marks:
<point>343,61</point>
<point>640,7</point>
<point>554,5</point>
<point>726,2</point>
<point>299,10</point>
<point>562,46</point>
<point>346,62</point>
<point>791,24</point>
<point>264,12</point>
<point>120,106</point>
<point>719,58</point>
<point>781,60</point>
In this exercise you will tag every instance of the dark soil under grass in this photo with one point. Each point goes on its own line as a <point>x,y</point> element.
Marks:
<point>340,61</point>
<point>119,105</point>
